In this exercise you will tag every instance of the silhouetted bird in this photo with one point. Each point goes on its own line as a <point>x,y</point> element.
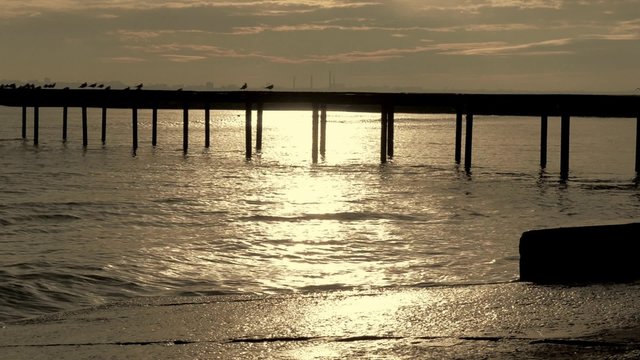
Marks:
<point>100,86</point>
<point>83,85</point>
<point>269,87</point>
<point>108,88</point>
<point>66,88</point>
<point>243,86</point>
<point>179,89</point>
<point>93,85</point>
<point>139,86</point>
<point>127,88</point>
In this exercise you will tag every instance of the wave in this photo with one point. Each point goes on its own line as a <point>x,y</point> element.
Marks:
<point>340,216</point>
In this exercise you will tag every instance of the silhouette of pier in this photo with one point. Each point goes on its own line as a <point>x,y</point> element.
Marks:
<point>464,106</point>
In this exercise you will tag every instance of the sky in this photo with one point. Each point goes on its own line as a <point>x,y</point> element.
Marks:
<point>409,45</point>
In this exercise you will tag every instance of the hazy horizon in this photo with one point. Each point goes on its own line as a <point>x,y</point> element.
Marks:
<point>401,45</point>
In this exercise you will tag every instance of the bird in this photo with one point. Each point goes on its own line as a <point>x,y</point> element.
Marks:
<point>269,87</point>
<point>243,86</point>
<point>100,86</point>
<point>139,86</point>
<point>93,85</point>
<point>83,85</point>
<point>127,88</point>
<point>108,88</point>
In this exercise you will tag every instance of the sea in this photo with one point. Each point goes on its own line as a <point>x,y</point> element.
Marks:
<point>88,226</point>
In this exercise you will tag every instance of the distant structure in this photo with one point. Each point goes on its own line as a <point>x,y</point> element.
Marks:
<point>244,86</point>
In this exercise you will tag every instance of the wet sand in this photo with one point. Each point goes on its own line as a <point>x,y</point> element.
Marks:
<point>507,320</point>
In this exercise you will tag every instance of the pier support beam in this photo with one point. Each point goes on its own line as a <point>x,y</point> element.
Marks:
<point>468,146</point>
<point>36,124</point>
<point>458,150</point>
<point>544,124</point>
<point>384,122</point>
<point>565,127</point>
<point>323,129</point>
<point>103,137</point>
<point>207,126</point>
<point>247,131</point>
<point>84,127</point>
<point>185,129</point>
<point>65,115</point>
<point>24,122</point>
<point>390,131</point>
<point>259,129</point>
<point>134,129</point>
<point>314,134</point>
<point>638,145</point>
<point>154,126</point>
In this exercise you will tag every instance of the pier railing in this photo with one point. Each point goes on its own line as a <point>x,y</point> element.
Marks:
<point>464,106</point>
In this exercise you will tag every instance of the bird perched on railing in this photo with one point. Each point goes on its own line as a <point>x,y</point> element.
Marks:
<point>83,85</point>
<point>139,86</point>
<point>243,87</point>
<point>269,87</point>
<point>93,85</point>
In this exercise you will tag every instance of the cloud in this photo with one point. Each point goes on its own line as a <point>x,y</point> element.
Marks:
<point>21,8</point>
<point>125,59</point>
<point>183,58</point>
<point>503,49</point>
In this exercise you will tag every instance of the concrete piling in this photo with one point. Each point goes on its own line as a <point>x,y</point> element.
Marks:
<point>103,137</point>
<point>207,126</point>
<point>543,141</point>
<point>36,124</point>
<point>247,130</point>
<point>468,146</point>
<point>84,127</point>
<point>259,128</point>
<point>154,126</point>
<point>565,127</point>
<point>314,133</point>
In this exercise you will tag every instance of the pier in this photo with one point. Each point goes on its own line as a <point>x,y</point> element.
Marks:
<point>464,106</point>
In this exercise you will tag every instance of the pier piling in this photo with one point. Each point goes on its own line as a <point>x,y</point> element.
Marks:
<point>259,129</point>
<point>247,130</point>
<point>185,129</point>
<point>24,122</point>
<point>65,115</point>
<point>134,128</point>
<point>84,127</point>
<point>638,145</point>
<point>390,131</point>
<point>154,126</point>
<point>458,150</point>
<point>323,129</point>
<point>36,124</point>
<point>207,126</point>
<point>103,137</point>
<point>544,123</point>
<point>314,134</point>
<point>565,128</point>
<point>383,133</point>
<point>468,142</point>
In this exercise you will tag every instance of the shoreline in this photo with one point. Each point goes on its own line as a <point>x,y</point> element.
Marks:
<point>495,320</point>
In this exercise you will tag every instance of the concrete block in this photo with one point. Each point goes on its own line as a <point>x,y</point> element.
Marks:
<point>583,254</point>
